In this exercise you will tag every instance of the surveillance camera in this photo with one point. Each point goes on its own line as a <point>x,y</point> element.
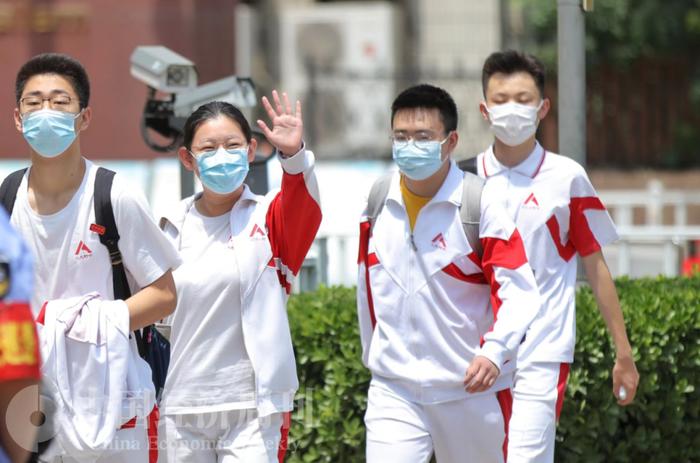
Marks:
<point>239,91</point>
<point>162,69</point>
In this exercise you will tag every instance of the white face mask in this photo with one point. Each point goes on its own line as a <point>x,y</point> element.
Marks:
<point>513,123</point>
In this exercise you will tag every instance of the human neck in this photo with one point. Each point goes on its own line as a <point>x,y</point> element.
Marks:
<point>213,205</point>
<point>59,175</point>
<point>511,156</point>
<point>429,187</point>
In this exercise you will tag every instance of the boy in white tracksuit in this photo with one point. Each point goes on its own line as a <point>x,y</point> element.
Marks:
<point>559,215</point>
<point>424,292</point>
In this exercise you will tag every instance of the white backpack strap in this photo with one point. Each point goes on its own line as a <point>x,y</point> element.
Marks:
<point>470,211</point>
<point>377,197</point>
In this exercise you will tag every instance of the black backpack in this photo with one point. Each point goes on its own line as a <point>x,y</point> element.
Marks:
<point>153,347</point>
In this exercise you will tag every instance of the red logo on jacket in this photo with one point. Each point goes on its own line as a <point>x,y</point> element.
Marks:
<point>82,251</point>
<point>257,232</point>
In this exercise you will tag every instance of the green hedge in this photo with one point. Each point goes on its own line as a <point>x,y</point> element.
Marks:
<point>663,425</point>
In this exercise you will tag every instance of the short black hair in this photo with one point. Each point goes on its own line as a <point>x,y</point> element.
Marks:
<point>428,97</point>
<point>509,62</point>
<point>59,64</point>
<point>212,110</point>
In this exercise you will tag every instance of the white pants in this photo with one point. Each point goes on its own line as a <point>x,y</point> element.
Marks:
<point>460,431</point>
<point>538,393</point>
<point>136,442</point>
<point>221,437</point>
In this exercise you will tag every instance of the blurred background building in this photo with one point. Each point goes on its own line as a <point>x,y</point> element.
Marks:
<point>346,60</point>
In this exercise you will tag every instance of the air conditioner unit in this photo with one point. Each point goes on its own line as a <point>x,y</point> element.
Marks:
<point>340,60</point>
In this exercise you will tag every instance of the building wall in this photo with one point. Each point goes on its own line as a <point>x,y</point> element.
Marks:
<point>102,34</point>
<point>453,40</point>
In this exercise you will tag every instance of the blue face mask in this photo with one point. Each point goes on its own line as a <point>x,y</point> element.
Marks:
<point>418,160</point>
<point>49,132</point>
<point>223,171</point>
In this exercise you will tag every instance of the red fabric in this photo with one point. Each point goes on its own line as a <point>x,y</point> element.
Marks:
<point>508,254</point>
<point>566,251</point>
<point>455,272</point>
<point>691,266</point>
<point>580,232</point>
<point>131,424</point>
<point>292,219</point>
<point>505,400</point>
<point>284,436</point>
<point>41,318</point>
<point>19,345</point>
<point>153,418</point>
<point>561,387</point>
<point>363,257</point>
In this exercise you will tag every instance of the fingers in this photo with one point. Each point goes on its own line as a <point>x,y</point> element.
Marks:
<point>265,129</point>
<point>268,108</point>
<point>480,376</point>
<point>298,115</point>
<point>278,104</point>
<point>287,106</point>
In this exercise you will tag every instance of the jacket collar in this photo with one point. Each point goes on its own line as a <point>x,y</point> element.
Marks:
<point>177,215</point>
<point>530,167</point>
<point>450,190</point>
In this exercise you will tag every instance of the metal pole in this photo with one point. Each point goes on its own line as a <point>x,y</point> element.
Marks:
<point>571,31</point>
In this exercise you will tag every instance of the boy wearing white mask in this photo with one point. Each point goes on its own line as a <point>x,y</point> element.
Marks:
<point>54,213</point>
<point>556,209</point>
<point>442,306</point>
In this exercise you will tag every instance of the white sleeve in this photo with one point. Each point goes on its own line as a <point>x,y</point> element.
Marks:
<point>146,251</point>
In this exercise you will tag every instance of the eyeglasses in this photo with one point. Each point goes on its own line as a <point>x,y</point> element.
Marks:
<point>421,141</point>
<point>198,154</point>
<point>59,102</point>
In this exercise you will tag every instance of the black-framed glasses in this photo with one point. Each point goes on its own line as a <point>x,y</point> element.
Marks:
<point>60,102</point>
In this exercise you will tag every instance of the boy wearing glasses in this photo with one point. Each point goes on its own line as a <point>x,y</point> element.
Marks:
<point>441,313</point>
<point>54,213</point>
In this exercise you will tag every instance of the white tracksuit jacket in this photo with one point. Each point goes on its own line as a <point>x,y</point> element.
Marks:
<point>271,235</point>
<point>423,331</point>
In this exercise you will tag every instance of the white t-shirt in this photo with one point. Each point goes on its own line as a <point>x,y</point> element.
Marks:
<point>209,367</point>
<point>69,259</point>
<point>559,216</point>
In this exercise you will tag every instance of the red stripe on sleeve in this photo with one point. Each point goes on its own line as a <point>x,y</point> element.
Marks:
<point>293,219</point>
<point>365,228</point>
<point>508,254</point>
<point>580,232</point>
<point>566,251</point>
<point>455,272</point>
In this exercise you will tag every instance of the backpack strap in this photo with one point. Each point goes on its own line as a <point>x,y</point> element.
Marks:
<point>377,197</point>
<point>469,165</point>
<point>9,188</point>
<point>106,228</point>
<point>470,210</point>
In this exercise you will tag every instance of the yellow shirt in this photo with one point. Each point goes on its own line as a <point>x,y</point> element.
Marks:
<point>413,202</point>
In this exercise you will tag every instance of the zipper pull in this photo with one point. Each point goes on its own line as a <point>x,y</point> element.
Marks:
<point>413,243</point>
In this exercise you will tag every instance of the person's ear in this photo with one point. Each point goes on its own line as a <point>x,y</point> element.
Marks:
<point>18,120</point>
<point>252,149</point>
<point>84,119</point>
<point>483,109</point>
<point>451,143</point>
<point>544,110</point>
<point>187,159</point>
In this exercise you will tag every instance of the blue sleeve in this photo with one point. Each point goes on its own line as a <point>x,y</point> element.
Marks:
<point>18,263</point>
